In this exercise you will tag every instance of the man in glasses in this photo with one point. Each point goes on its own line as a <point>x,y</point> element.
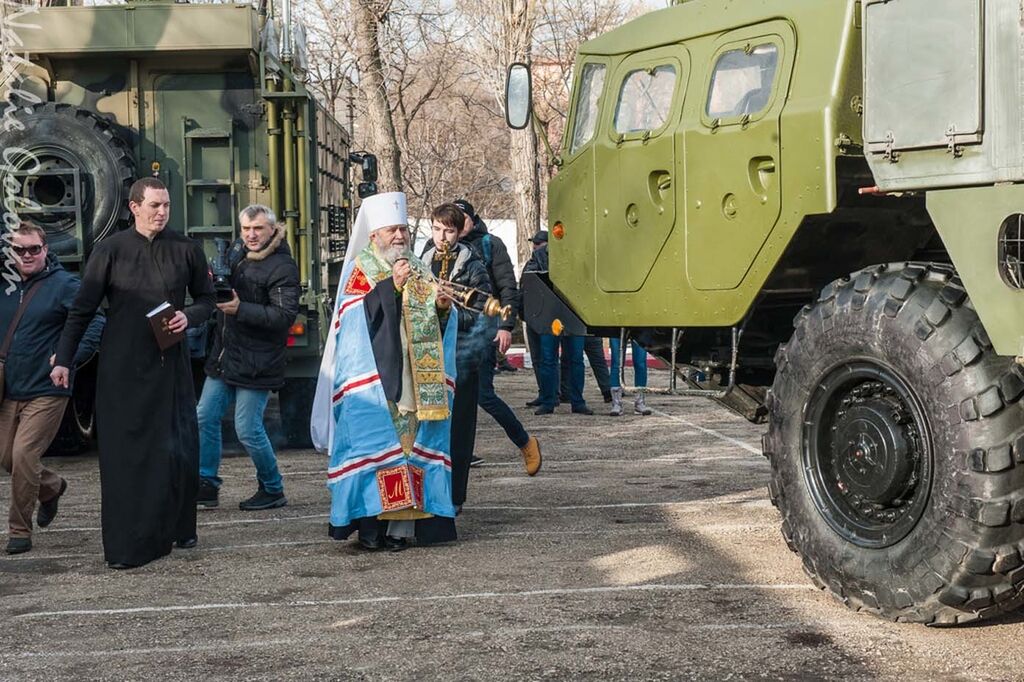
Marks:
<point>31,407</point>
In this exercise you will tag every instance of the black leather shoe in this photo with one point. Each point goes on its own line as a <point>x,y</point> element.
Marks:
<point>607,397</point>
<point>187,544</point>
<point>395,544</point>
<point>19,545</point>
<point>370,545</point>
<point>544,410</point>
<point>534,403</point>
<point>48,509</point>
<point>582,410</point>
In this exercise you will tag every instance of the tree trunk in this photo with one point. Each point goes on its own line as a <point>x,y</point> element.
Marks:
<point>380,127</point>
<point>518,21</point>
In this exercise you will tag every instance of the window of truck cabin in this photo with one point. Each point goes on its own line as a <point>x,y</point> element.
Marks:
<point>645,99</point>
<point>588,103</point>
<point>742,82</point>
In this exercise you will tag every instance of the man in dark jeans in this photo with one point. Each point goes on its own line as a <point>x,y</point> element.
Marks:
<point>457,263</point>
<point>493,253</point>
<point>248,356</point>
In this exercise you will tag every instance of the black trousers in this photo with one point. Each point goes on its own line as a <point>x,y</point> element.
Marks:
<point>533,343</point>
<point>593,347</point>
<point>467,389</point>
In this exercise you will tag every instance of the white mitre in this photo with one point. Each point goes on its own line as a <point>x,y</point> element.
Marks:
<point>377,211</point>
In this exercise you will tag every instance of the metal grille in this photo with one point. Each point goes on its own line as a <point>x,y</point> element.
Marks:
<point>1011,251</point>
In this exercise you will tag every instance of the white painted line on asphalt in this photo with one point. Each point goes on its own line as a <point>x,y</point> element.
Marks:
<point>552,592</point>
<point>204,524</point>
<point>574,507</point>
<point>711,432</point>
<point>227,646</point>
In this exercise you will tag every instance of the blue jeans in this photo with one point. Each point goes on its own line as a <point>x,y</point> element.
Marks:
<point>495,406</point>
<point>573,346</point>
<point>639,363</point>
<point>249,407</point>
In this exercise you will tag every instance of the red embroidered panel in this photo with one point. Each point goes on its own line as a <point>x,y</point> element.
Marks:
<point>357,283</point>
<point>417,486</point>
<point>394,488</point>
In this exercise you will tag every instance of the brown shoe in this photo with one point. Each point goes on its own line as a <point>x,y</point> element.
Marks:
<point>531,456</point>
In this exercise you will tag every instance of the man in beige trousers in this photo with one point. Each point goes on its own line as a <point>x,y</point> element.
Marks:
<point>32,314</point>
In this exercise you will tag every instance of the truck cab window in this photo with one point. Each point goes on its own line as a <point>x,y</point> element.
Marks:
<point>645,99</point>
<point>588,102</point>
<point>741,83</point>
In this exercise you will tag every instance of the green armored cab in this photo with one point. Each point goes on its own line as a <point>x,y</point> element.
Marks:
<point>208,98</point>
<point>826,200</point>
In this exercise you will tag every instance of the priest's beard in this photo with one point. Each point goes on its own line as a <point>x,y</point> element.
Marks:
<point>391,254</point>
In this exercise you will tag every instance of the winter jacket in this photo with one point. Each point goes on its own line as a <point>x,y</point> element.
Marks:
<point>475,330</point>
<point>499,267</point>
<point>249,347</point>
<point>538,263</point>
<point>27,370</point>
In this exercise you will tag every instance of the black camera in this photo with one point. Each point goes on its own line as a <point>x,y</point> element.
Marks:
<point>220,268</point>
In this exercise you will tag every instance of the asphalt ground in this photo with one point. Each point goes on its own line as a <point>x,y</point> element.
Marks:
<point>645,549</point>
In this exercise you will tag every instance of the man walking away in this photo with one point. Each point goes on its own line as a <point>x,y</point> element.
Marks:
<point>248,356</point>
<point>31,407</point>
<point>491,250</point>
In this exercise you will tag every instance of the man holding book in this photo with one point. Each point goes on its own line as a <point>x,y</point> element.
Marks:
<point>248,355</point>
<point>384,397</point>
<point>145,401</point>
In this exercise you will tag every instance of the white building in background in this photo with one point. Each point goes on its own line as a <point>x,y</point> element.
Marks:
<point>501,228</point>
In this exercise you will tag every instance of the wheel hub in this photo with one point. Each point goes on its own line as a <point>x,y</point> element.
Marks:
<point>866,457</point>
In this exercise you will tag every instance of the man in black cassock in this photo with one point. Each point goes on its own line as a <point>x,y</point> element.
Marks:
<point>145,400</point>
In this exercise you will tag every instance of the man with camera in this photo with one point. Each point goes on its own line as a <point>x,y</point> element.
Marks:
<point>258,298</point>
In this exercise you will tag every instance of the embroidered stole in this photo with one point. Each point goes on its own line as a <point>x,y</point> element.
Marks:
<point>422,332</point>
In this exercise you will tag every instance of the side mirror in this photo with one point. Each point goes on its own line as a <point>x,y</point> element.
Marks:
<point>518,96</point>
<point>368,167</point>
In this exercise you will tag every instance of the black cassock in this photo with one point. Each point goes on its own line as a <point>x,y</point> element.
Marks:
<point>145,400</point>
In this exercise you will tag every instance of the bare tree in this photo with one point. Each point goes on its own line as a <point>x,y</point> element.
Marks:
<point>518,20</point>
<point>368,16</point>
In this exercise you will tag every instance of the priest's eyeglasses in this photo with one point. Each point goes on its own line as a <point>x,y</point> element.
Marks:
<point>33,250</point>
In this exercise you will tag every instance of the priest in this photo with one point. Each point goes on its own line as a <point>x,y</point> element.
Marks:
<point>145,401</point>
<point>384,395</point>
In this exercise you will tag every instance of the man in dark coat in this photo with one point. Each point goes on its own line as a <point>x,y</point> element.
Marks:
<point>145,400</point>
<point>457,263</point>
<point>248,356</point>
<point>491,250</point>
<point>31,407</point>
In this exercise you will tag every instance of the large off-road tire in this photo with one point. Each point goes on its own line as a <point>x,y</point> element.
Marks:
<point>295,402</point>
<point>896,440</point>
<point>60,138</point>
<point>77,432</point>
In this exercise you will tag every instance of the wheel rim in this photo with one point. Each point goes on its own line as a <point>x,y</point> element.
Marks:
<point>51,188</point>
<point>867,453</point>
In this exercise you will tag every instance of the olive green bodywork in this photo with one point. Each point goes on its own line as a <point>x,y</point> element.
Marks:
<point>205,105</point>
<point>716,223</point>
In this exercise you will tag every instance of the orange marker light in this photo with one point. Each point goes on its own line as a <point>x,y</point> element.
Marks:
<point>558,230</point>
<point>557,327</point>
<point>297,329</point>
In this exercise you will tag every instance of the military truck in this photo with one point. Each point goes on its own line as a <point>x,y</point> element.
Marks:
<point>210,99</point>
<point>826,199</point>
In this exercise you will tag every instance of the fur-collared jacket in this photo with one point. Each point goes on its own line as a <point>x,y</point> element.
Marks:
<point>249,347</point>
